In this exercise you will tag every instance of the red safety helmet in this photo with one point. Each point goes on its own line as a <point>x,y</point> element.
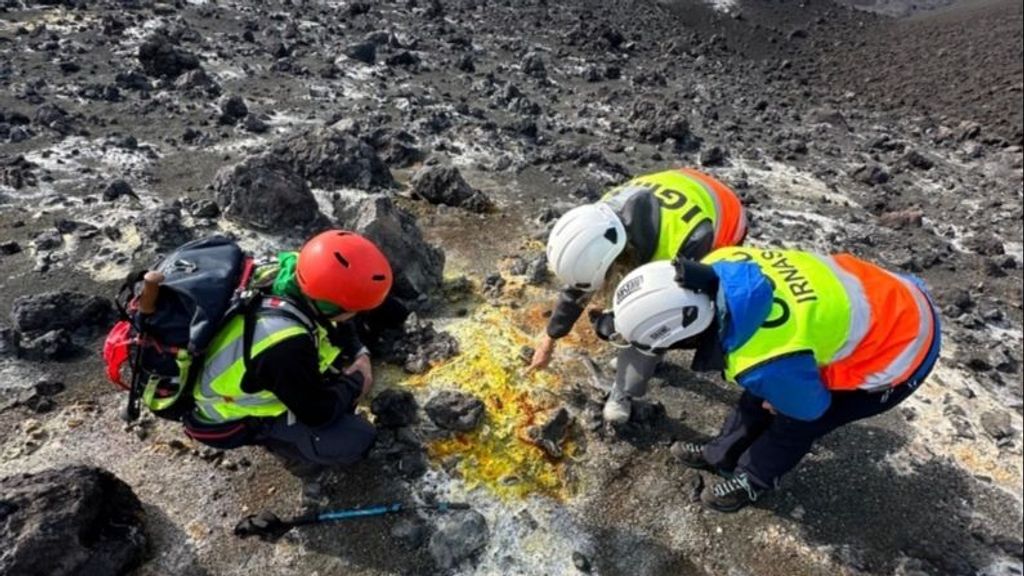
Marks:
<point>345,269</point>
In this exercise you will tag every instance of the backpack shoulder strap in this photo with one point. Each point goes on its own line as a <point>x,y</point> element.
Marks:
<point>269,305</point>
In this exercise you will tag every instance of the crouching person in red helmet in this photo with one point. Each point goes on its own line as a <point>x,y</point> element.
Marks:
<point>296,392</point>
<point>816,342</point>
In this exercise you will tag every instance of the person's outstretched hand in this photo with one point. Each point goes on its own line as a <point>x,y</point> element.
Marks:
<point>542,355</point>
<point>363,367</point>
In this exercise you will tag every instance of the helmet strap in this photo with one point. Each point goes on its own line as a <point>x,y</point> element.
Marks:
<point>708,355</point>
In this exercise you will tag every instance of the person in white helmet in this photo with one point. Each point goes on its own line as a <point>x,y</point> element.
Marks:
<point>816,342</point>
<point>679,213</point>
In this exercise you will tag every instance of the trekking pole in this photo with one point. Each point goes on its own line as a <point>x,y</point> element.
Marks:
<point>146,305</point>
<point>150,290</point>
<point>268,527</point>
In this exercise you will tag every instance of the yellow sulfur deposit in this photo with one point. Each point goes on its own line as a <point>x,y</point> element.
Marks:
<point>496,455</point>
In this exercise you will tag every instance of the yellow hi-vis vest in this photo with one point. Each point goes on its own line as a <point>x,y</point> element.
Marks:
<point>684,203</point>
<point>811,310</point>
<point>218,393</point>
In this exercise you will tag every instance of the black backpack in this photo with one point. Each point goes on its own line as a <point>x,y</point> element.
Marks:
<point>169,315</point>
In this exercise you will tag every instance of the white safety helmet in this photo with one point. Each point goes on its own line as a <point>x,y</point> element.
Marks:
<point>584,243</point>
<point>652,312</point>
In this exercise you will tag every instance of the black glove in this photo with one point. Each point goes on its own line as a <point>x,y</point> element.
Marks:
<point>695,276</point>
<point>604,323</point>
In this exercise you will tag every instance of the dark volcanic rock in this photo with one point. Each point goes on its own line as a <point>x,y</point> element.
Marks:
<point>457,537</point>
<point>117,189</point>
<point>403,58</point>
<point>48,240</point>
<point>418,345</point>
<point>453,410</point>
<point>17,172</point>
<point>418,266</point>
<point>393,408</point>
<point>713,156</point>
<point>396,147</point>
<point>9,248</point>
<point>48,311</point>
<point>8,341</point>
<point>232,109</point>
<point>655,124</point>
<point>550,435</point>
<point>161,228</point>
<point>198,82</point>
<point>873,174</point>
<point>74,520</point>
<point>533,65</point>
<point>52,345</point>
<point>162,58</point>
<point>265,193</point>
<point>332,157</point>
<point>986,244</point>
<point>53,117</point>
<point>365,52</point>
<point>445,185</point>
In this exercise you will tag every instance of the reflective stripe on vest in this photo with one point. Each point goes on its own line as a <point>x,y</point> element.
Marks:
<point>684,203</point>
<point>867,328</point>
<point>898,334</point>
<point>810,310</point>
<point>218,393</point>
<point>731,223</point>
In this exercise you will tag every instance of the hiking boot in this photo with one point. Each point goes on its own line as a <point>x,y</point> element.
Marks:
<point>732,494</point>
<point>691,455</point>
<point>616,410</point>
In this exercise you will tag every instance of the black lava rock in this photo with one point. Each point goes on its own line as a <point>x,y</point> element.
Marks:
<point>445,185</point>
<point>161,57</point>
<point>454,410</point>
<point>74,520</point>
<point>117,189</point>
<point>265,193</point>
<point>333,157</point>
<point>394,408</point>
<point>74,311</point>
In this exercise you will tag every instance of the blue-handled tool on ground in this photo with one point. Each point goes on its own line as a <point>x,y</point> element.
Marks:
<point>268,527</point>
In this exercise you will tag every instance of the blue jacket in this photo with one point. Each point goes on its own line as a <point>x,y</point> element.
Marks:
<point>792,384</point>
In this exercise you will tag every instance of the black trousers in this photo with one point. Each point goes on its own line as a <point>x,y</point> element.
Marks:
<point>345,440</point>
<point>767,446</point>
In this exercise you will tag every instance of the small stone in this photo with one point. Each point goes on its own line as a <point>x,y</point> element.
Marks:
<point>410,533</point>
<point>255,124</point>
<point>365,52</point>
<point>232,109</point>
<point>526,354</point>
<point>902,219</point>
<point>413,464</point>
<point>394,408</point>
<point>117,189</point>
<point>997,424</point>
<point>873,175</point>
<point>457,537</point>
<point>581,562</point>
<point>550,435</point>
<point>445,185</point>
<point>48,240</point>
<point>454,410</point>
<point>9,248</point>
<point>713,156</point>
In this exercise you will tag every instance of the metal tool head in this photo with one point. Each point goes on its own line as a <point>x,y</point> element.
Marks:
<point>266,526</point>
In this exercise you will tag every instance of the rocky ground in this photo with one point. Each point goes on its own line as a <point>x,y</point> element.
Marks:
<point>454,133</point>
